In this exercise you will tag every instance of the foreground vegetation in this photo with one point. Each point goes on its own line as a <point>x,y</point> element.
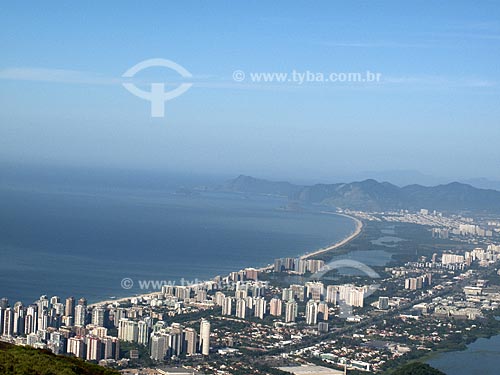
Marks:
<point>18,360</point>
<point>416,368</point>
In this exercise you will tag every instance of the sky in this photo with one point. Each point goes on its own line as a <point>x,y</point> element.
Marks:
<point>435,108</point>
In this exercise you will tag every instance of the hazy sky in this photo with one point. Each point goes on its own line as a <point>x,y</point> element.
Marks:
<point>436,108</point>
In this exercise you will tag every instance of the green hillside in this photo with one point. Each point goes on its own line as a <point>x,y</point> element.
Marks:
<point>18,360</point>
<point>417,368</point>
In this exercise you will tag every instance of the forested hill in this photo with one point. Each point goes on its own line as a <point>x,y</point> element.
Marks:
<point>19,360</point>
<point>371,195</point>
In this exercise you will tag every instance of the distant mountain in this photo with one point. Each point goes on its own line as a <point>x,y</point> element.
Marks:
<point>247,184</point>
<point>483,183</point>
<point>372,195</point>
<point>401,177</point>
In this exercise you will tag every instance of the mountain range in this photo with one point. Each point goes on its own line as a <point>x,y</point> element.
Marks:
<point>371,195</point>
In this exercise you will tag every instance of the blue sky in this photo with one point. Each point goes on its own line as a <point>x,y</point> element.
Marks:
<point>435,110</point>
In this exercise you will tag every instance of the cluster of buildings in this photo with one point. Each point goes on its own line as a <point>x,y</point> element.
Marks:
<point>172,341</point>
<point>423,217</point>
<point>475,298</point>
<point>484,257</point>
<point>77,329</point>
<point>461,261</point>
<point>249,300</point>
<point>298,266</point>
<point>443,227</point>
<point>94,332</point>
<point>63,328</point>
<point>452,268</point>
<point>464,230</point>
<point>448,262</point>
<point>472,230</point>
<point>419,282</point>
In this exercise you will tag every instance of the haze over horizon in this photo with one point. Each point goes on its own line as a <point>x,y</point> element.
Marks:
<point>434,111</point>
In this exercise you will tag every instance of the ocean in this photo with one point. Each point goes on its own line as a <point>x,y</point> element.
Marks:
<point>83,239</point>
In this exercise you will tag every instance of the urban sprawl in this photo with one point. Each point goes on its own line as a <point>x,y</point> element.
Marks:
<point>289,316</point>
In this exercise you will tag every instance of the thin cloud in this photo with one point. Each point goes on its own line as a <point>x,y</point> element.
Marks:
<point>434,39</point>
<point>56,76</point>
<point>438,81</point>
<point>213,82</point>
<point>469,35</point>
<point>88,78</point>
<point>76,77</point>
<point>381,44</point>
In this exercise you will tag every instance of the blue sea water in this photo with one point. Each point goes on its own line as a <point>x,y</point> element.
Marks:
<point>83,240</point>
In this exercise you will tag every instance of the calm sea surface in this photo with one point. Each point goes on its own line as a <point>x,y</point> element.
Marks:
<point>83,241</point>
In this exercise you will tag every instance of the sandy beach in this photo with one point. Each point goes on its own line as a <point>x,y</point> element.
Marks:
<point>357,231</point>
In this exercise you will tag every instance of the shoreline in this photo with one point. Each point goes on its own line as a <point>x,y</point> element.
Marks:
<point>336,245</point>
<point>353,235</point>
